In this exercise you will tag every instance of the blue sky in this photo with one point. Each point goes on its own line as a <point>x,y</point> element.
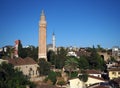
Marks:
<point>80,23</point>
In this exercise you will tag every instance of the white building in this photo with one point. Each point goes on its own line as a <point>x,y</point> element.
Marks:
<point>72,53</point>
<point>77,83</point>
<point>115,52</point>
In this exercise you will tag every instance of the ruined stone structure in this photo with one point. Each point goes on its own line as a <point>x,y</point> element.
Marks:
<point>16,48</point>
<point>105,55</point>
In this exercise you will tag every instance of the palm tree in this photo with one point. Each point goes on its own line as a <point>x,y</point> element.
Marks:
<point>71,64</point>
<point>83,63</point>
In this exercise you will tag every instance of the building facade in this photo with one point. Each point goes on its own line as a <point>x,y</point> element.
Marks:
<point>116,52</point>
<point>27,65</point>
<point>77,83</point>
<point>42,37</point>
<point>114,73</point>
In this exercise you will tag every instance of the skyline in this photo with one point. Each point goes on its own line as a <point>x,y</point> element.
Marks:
<point>74,22</point>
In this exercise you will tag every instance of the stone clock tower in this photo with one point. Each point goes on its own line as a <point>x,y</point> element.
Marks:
<point>42,37</point>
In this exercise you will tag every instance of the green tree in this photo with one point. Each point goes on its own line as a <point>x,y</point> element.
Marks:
<point>21,52</point>
<point>94,59</point>
<point>57,58</point>
<point>102,63</point>
<point>83,77</point>
<point>71,64</point>
<point>51,56</point>
<point>60,58</point>
<point>32,52</point>
<point>44,67</point>
<point>100,49</point>
<point>74,74</point>
<point>52,76</point>
<point>35,53</point>
<point>83,63</point>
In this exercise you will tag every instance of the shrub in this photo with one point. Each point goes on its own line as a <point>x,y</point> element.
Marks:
<point>52,76</point>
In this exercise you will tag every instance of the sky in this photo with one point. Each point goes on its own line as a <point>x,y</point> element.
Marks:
<point>80,23</point>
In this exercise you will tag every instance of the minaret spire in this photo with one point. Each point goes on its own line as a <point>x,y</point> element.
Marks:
<point>42,17</point>
<point>42,14</point>
<point>53,41</point>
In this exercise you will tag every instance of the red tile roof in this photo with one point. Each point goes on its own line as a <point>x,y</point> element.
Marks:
<point>20,61</point>
<point>101,87</point>
<point>96,78</point>
<point>93,71</point>
<point>114,69</point>
<point>29,60</point>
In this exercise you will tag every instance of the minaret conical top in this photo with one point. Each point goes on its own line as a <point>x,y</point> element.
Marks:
<point>42,14</point>
<point>42,17</point>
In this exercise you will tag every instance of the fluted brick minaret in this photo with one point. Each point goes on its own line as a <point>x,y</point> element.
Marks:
<point>42,37</point>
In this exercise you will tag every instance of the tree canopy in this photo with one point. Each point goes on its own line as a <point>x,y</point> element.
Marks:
<point>52,76</point>
<point>30,51</point>
<point>58,59</point>
<point>83,63</point>
<point>44,67</point>
<point>71,64</point>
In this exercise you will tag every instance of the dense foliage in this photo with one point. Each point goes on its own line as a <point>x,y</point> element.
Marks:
<point>93,61</point>
<point>44,67</point>
<point>30,51</point>
<point>71,64</point>
<point>57,59</point>
<point>20,50</point>
<point>52,76</point>
<point>83,76</point>
<point>96,61</point>
<point>12,78</point>
<point>83,63</point>
<point>74,74</point>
